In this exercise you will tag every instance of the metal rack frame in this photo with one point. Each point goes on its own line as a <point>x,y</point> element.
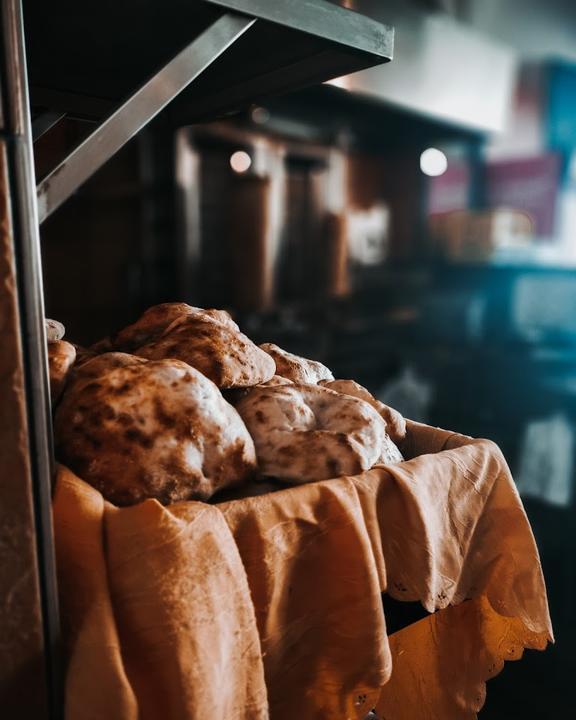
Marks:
<point>28,597</point>
<point>369,42</point>
<point>137,111</point>
<point>30,677</point>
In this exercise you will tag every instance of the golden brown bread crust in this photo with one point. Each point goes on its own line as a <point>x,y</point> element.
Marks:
<point>97,365</point>
<point>304,433</point>
<point>153,323</point>
<point>234,395</point>
<point>136,430</point>
<point>296,368</point>
<point>208,340</point>
<point>223,354</point>
<point>395,423</point>
<point>61,357</point>
<point>390,454</point>
<point>276,380</point>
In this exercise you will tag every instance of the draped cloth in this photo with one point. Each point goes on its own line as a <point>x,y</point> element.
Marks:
<point>270,606</point>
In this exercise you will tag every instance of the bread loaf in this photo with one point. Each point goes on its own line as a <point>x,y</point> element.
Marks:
<point>61,357</point>
<point>222,353</point>
<point>136,430</point>
<point>307,432</point>
<point>395,423</point>
<point>153,323</point>
<point>296,368</point>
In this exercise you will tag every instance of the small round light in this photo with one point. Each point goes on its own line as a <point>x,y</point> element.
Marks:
<point>433,162</point>
<point>260,115</point>
<point>240,161</point>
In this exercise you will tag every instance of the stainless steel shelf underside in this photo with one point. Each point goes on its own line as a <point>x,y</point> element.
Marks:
<point>218,56</point>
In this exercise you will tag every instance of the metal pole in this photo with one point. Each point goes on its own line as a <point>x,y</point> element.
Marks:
<point>23,324</point>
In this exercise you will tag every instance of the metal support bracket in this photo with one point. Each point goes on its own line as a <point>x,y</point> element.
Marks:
<point>44,123</point>
<point>137,111</point>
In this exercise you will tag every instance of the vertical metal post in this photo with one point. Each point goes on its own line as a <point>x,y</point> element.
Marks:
<point>29,681</point>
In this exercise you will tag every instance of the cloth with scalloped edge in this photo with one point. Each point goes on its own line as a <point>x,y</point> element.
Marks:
<point>441,663</point>
<point>442,528</point>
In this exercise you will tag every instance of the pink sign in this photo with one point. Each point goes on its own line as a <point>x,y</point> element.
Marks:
<point>526,184</point>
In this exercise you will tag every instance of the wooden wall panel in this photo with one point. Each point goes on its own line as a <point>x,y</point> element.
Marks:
<point>23,692</point>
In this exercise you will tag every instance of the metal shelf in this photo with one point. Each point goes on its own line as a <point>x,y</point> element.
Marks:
<point>85,58</point>
<point>215,56</point>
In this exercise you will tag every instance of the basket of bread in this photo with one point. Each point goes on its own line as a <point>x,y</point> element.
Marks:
<point>181,405</point>
<point>227,516</point>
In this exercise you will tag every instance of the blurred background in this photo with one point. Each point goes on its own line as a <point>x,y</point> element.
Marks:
<point>413,226</point>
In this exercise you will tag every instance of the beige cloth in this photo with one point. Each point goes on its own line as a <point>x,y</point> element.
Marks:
<point>185,611</point>
<point>158,613</point>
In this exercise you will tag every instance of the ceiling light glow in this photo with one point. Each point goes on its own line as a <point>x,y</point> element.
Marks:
<point>240,161</point>
<point>433,162</point>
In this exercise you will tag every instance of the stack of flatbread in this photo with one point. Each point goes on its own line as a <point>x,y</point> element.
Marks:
<point>182,405</point>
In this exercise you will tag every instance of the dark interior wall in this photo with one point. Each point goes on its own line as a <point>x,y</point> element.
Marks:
<point>108,252</point>
<point>216,259</point>
<point>88,245</point>
<point>111,250</point>
<point>395,179</point>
